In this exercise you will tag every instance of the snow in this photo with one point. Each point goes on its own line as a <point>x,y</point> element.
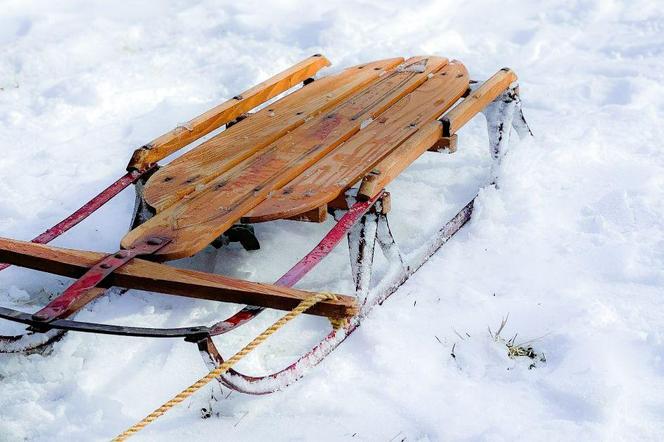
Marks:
<point>571,244</point>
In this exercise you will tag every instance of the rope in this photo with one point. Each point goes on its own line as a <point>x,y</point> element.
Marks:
<point>193,388</point>
<point>338,323</point>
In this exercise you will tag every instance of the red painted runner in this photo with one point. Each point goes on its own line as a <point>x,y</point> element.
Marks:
<point>329,242</point>
<point>303,266</point>
<point>80,292</point>
<point>86,210</point>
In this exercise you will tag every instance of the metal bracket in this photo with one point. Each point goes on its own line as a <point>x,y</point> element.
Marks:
<point>361,246</point>
<point>373,227</point>
<point>193,334</point>
<point>142,210</point>
<point>501,115</point>
<point>242,233</point>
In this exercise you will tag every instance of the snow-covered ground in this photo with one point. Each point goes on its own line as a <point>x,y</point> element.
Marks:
<point>571,245</point>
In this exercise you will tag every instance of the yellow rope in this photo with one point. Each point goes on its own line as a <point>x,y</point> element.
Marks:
<point>184,394</point>
<point>338,323</point>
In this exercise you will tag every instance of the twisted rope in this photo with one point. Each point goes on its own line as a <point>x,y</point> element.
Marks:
<point>193,388</point>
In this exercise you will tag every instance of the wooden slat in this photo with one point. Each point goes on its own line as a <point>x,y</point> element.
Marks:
<point>217,155</point>
<point>214,118</point>
<point>315,215</point>
<point>145,275</point>
<point>347,164</point>
<point>196,221</point>
<point>477,100</point>
<point>393,164</point>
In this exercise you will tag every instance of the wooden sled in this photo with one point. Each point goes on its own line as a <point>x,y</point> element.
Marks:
<point>330,146</point>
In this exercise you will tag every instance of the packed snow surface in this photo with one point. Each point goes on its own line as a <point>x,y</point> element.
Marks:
<point>570,245</point>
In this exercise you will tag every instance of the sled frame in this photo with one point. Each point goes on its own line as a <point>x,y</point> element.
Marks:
<point>364,223</point>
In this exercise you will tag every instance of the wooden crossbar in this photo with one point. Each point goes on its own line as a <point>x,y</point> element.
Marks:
<point>145,275</point>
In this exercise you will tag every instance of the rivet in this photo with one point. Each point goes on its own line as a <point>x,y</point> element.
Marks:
<point>39,317</point>
<point>105,265</point>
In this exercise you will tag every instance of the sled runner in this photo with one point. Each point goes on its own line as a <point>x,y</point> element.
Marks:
<point>331,146</point>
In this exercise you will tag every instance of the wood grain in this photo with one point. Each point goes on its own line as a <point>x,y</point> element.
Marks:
<point>446,144</point>
<point>214,118</point>
<point>215,156</point>
<point>316,215</point>
<point>488,91</point>
<point>399,159</point>
<point>347,164</point>
<point>195,222</point>
<point>145,275</point>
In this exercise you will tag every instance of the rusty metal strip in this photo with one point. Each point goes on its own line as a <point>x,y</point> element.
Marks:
<point>80,292</point>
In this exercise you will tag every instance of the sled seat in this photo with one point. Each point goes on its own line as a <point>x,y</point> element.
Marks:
<point>300,153</point>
